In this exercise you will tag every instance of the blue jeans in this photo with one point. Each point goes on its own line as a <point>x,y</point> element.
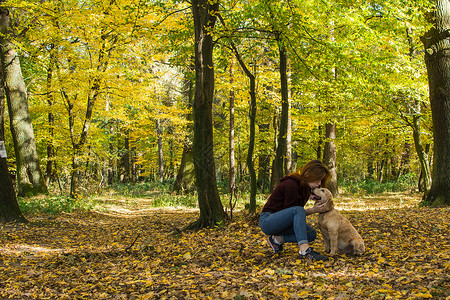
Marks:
<point>289,223</point>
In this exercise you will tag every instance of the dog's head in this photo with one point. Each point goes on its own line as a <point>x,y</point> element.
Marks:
<point>323,195</point>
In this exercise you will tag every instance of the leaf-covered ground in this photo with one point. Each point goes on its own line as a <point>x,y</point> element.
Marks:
<point>133,252</point>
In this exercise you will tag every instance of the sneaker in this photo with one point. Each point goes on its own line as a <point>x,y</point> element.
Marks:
<point>277,248</point>
<point>310,254</point>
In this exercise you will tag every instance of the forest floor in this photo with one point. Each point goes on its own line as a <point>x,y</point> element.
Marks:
<point>127,250</point>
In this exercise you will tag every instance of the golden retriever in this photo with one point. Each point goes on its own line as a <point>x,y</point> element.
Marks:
<point>338,233</point>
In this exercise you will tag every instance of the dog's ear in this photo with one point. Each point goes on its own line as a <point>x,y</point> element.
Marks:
<point>329,201</point>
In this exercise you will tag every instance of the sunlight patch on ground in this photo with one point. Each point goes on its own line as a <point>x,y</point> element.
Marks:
<point>113,210</point>
<point>23,248</point>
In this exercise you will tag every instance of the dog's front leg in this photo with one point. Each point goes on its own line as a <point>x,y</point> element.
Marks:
<point>334,235</point>
<point>326,242</point>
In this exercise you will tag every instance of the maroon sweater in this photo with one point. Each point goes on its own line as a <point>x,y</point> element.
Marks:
<point>290,192</point>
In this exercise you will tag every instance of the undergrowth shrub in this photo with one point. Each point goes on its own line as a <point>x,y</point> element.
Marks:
<point>54,205</point>
<point>370,186</point>
<point>143,188</point>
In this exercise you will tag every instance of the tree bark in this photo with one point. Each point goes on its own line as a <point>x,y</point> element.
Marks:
<point>9,207</point>
<point>185,179</point>
<point>329,156</point>
<point>283,130</point>
<point>211,209</point>
<point>51,120</point>
<point>423,160</point>
<point>437,59</point>
<point>251,139</point>
<point>29,175</point>
<point>231,145</point>
<point>160,150</point>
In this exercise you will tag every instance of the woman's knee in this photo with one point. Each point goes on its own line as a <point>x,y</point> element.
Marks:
<point>297,210</point>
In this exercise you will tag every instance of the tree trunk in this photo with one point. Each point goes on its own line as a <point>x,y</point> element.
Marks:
<point>252,116</point>
<point>185,179</point>
<point>108,40</point>
<point>251,146</point>
<point>406,158</point>
<point>51,120</point>
<point>251,142</point>
<point>231,145</point>
<point>437,59</point>
<point>9,208</point>
<point>211,209</point>
<point>288,166</point>
<point>425,181</point>
<point>29,174</point>
<point>329,156</point>
<point>160,150</point>
<point>370,168</point>
<point>282,134</point>
<point>319,153</point>
<point>126,159</point>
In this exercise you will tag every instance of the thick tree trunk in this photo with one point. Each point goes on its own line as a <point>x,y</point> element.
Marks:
<point>29,174</point>
<point>211,209</point>
<point>437,59</point>
<point>282,134</point>
<point>329,156</point>
<point>9,208</point>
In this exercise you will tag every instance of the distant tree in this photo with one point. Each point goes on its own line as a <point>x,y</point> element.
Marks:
<point>185,178</point>
<point>329,156</point>
<point>211,209</point>
<point>437,60</point>
<point>252,130</point>
<point>231,143</point>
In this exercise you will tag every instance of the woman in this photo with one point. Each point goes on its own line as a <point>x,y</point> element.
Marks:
<point>283,217</point>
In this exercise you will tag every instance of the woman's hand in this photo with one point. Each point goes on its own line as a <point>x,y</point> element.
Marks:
<point>318,207</point>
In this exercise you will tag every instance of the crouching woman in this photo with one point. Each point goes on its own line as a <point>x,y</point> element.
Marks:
<point>283,217</point>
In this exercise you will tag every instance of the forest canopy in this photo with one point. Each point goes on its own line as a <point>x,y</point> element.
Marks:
<point>110,87</point>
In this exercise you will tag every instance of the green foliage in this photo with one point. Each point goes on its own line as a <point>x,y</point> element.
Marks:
<point>141,54</point>
<point>141,189</point>
<point>370,186</point>
<point>54,204</point>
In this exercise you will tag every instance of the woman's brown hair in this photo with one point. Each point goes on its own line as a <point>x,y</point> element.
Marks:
<point>315,170</point>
